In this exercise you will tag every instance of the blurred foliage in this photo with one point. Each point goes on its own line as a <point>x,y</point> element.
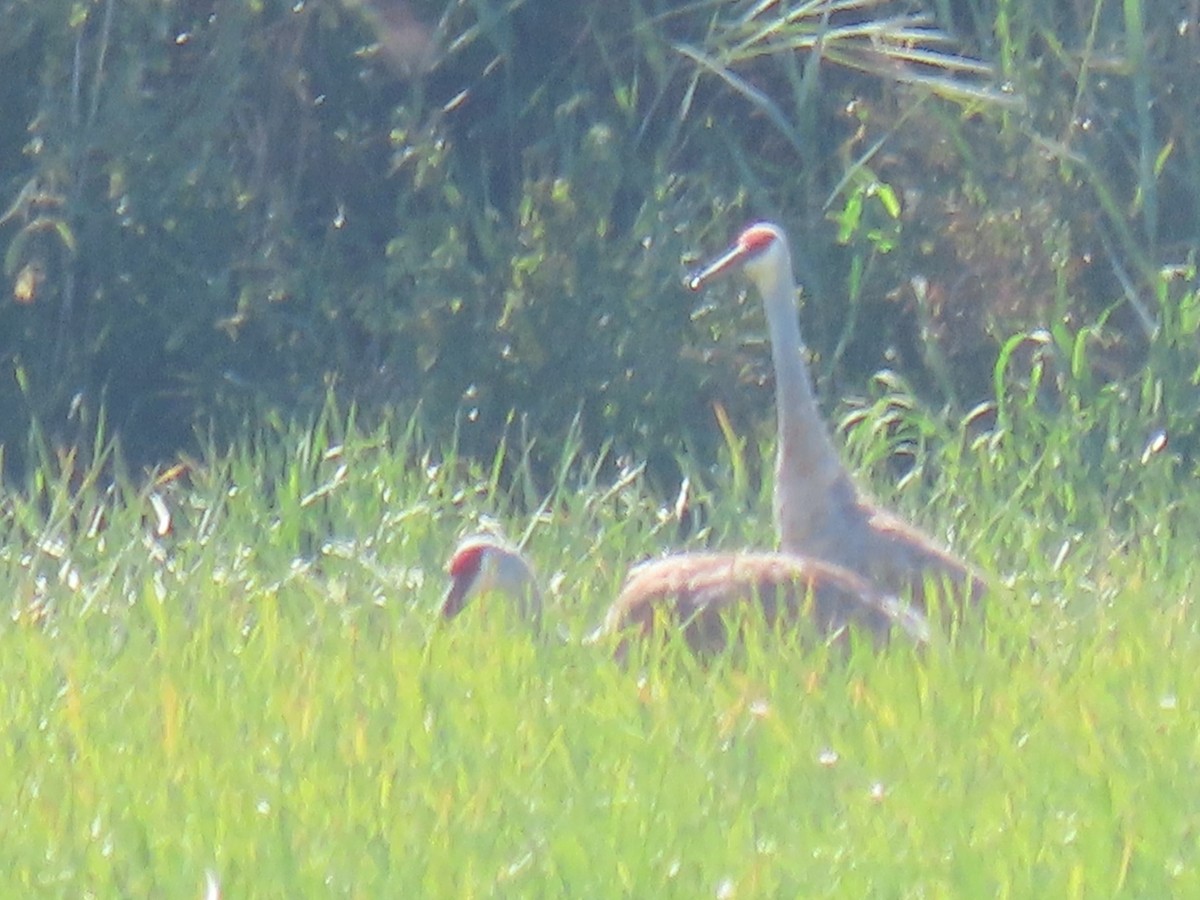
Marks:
<point>213,211</point>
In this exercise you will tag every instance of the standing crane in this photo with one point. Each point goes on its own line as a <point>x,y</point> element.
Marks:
<point>819,511</point>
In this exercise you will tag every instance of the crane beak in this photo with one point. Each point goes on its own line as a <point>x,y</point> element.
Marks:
<point>726,260</point>
<point>455,598</point>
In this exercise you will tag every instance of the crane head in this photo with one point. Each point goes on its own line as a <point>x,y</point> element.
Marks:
<point>482,563</point>
<point>761,250</point>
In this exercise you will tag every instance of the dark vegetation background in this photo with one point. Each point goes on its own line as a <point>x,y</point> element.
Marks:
<point>213,214</point>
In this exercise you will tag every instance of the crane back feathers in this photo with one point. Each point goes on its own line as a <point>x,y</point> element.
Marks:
<point>696,592</point>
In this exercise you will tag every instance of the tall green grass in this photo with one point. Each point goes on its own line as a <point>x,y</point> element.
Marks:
<point>232,673</point>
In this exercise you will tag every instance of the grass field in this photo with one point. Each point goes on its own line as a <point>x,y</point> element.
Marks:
<point>260,702</point>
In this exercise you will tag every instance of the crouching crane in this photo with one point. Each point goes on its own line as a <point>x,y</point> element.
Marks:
<point>697,592</point>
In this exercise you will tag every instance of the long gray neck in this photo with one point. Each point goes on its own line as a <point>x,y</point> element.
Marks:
<point>531,605</point>
<point>515,575</point>
<point>807,466</point>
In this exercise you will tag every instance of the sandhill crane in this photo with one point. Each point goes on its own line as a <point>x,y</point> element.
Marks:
<point>482,563</point>
<point>695,591</point>
<point>819,511</point>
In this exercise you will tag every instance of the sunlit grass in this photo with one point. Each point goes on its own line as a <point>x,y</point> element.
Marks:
<point>261,691</point>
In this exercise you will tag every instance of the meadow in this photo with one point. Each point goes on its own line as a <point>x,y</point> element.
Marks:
<point>229,678</point>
